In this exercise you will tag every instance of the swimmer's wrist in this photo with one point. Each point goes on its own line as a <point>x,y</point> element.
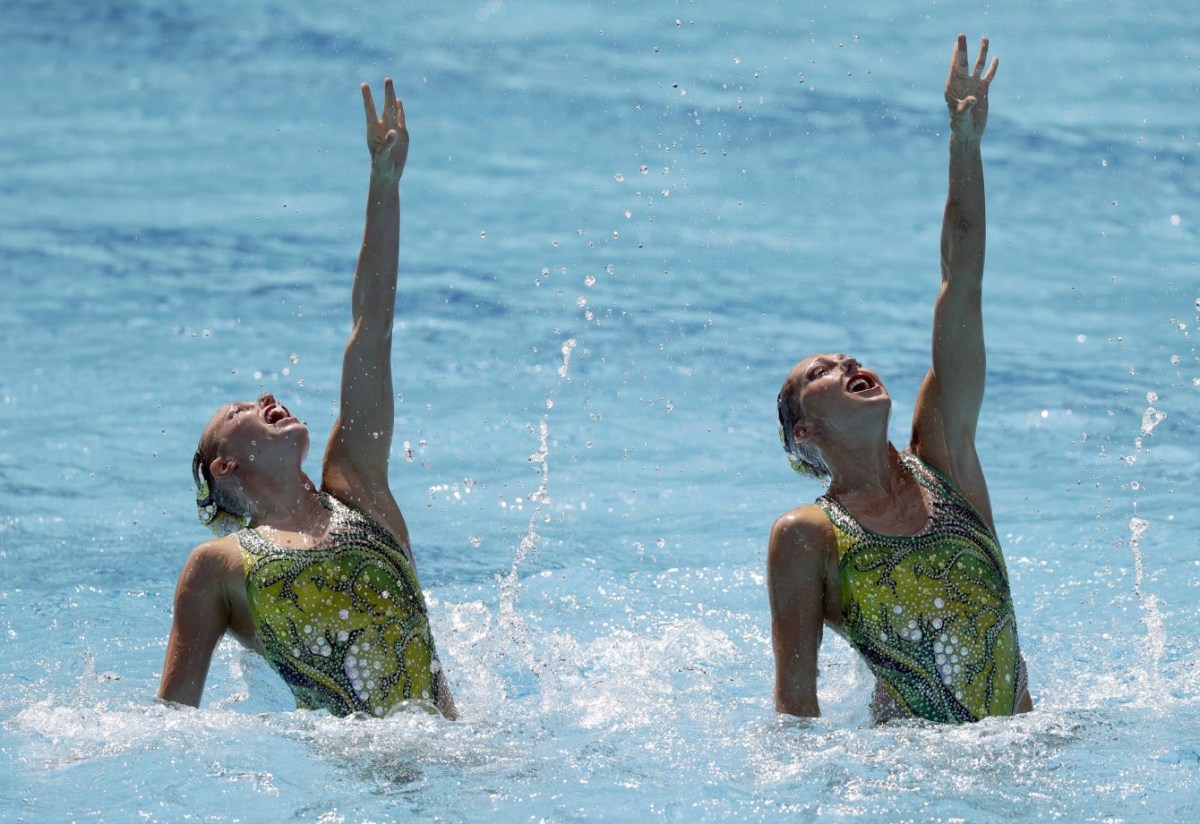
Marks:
<point>381,178</point>
<point>965,139</point>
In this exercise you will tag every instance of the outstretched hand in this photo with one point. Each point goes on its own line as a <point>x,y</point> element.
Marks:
<point>967,93</point>
<point>387,136</point>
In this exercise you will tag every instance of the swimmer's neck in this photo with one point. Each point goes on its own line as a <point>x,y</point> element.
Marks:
<point>868,475</point>
<point>289,506</point>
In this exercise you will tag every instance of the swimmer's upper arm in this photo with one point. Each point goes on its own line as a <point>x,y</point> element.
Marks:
<point>201,616</point>
<point>796,564</point>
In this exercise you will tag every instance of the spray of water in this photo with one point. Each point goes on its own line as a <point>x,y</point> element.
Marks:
<point>1148,602</point>
<point>511,621</point>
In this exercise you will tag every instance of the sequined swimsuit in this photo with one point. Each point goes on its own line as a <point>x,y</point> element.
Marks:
<point>932,614</point>
<point>344,622</point>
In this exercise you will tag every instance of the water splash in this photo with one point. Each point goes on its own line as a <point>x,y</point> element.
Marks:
<point>1151,418</point>
<point>567,348</point>
<point>511,621</point>
<point>1147,602</point>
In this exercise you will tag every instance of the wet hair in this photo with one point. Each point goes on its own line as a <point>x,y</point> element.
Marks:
<point>805,460</point>
<point>214,509</point>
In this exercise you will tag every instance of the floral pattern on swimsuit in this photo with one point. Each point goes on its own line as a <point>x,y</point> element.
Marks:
<point>344,622</point>
<point>932,614</point>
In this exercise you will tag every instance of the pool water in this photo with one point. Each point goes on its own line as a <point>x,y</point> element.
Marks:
<point>623,223</point>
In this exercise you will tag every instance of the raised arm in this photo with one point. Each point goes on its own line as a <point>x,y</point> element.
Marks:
<point>356,460</point>
<point>947,409</point>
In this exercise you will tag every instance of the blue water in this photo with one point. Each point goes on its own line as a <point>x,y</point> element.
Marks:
<point>623,223</point>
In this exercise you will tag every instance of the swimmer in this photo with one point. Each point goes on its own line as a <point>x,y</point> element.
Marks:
<point>900,556</point>
<point>321,581</point>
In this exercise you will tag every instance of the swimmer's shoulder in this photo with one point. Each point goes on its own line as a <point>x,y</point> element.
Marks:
<point>213,582</point>
<point>214,562</point>
<point>804,531</point>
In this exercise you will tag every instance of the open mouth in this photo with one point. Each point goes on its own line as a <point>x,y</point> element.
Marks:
<point>860,383</point>
<point>277,413</point>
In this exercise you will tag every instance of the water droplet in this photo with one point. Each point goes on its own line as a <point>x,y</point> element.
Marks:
<point>482,235</point>
<point>620,178</point>
<point>590,280</point>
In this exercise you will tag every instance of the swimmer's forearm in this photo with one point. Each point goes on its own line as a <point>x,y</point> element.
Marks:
<point>373,298</point>
<point>964,224</point>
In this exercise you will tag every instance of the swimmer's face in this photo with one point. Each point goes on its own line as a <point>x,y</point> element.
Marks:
<point>835,387</point>
<point>262,430</point>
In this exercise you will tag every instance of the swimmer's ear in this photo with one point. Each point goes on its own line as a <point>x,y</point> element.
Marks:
<point>222,467</point>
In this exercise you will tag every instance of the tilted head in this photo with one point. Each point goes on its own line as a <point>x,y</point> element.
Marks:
<point>823,394</point>
<point>241,440</point>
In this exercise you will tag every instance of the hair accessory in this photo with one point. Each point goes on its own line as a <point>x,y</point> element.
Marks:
<point>219,520</point>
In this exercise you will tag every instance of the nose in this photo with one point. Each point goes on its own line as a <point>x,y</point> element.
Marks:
<point>850,365</point>
<point>266,399</point>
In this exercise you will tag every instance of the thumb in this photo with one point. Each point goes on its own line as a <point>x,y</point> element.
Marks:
<point>389,140</point>
<point>384,153</point>
<point>962,107</point>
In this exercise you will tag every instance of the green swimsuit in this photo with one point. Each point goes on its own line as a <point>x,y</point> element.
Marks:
<point>344,622</point>
<point>932,614</point>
